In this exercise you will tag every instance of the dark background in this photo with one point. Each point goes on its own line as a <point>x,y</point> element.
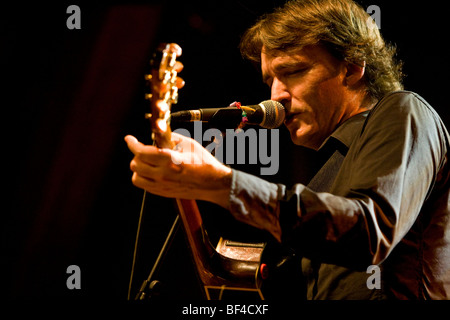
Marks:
<point>70,96</point>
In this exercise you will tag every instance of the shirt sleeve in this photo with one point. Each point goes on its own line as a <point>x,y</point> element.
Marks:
<point>256,202</point>
<point>377,196</point>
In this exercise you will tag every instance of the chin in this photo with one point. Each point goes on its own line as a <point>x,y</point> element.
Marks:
<point>305,140</point>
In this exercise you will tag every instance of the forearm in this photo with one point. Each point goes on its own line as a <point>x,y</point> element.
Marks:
<point>217,190</point>
<point>352,229</point>
<point>299,217</point>
<point>256,202</point>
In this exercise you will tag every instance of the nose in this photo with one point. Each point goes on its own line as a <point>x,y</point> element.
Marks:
<point>279,92</point>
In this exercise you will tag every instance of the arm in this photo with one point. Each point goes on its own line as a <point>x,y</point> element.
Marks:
<point>382,186</point>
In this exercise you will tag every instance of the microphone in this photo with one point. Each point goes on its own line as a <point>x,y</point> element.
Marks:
<point>268,114</point>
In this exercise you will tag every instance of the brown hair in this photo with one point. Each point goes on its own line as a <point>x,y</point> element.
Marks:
<point>341,26</point>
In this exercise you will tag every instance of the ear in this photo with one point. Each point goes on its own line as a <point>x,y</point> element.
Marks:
<point>355,72</point>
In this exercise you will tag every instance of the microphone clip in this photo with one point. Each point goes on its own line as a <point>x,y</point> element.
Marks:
<point>244,118</point>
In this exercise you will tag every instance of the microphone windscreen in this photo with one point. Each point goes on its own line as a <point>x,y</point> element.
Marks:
<point>274,114</point>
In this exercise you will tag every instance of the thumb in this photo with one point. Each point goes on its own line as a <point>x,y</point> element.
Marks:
<point>133,144</point>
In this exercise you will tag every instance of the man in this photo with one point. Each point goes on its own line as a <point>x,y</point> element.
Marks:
<point>381,199</point>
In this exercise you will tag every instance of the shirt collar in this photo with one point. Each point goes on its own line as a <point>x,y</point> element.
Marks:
<point>347,131</point>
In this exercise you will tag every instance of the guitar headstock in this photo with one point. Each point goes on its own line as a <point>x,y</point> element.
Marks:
<point>164,92</point>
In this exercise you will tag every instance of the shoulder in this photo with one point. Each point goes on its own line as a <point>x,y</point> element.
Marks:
<point>405,118</point>
<point>404,104</point>
<point>404,108</point>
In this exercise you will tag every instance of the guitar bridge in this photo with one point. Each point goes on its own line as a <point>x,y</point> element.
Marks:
<point>240,250</point>
<point>243,244</point>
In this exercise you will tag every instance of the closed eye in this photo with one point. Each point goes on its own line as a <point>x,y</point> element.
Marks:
<point>296,72</point>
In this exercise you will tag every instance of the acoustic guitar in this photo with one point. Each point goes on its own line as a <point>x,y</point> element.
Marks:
<point>229,265</point>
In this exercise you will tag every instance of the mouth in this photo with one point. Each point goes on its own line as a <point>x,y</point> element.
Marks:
<point>289,118</point>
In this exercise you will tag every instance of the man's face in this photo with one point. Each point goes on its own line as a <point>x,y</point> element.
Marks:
<point>312,85</point>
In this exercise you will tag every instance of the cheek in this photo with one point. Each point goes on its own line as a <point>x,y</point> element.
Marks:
<point>330,92</point>
<point>329,102</point>
<point>320,106</point>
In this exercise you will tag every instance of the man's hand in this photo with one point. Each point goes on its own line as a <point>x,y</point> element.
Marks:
<point>187,172</point>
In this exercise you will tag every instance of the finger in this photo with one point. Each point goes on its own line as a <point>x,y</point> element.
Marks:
<point>130,139</point>
<point>180,138</point>
<point>166,190</point>
<point>176,139</point>
<point>135,146</point>
<point>142,169</point>
<point>142,182</point>
<point>155,173</point>
<point>148,154</point>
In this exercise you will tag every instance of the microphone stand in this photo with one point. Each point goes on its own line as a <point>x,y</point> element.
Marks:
<point>155,285</point>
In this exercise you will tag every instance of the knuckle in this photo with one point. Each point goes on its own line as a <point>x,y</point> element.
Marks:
<point>140,155</point>
<point>133,165</point>
<point>134,179</point>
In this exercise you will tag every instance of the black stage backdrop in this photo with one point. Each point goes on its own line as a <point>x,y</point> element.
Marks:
<point>71,96</point>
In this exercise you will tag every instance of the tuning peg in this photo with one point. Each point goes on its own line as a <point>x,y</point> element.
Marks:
<point>148,96</point>
<point>148,77</point>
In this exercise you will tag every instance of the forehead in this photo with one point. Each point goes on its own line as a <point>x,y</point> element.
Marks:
<point>277,61</point>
